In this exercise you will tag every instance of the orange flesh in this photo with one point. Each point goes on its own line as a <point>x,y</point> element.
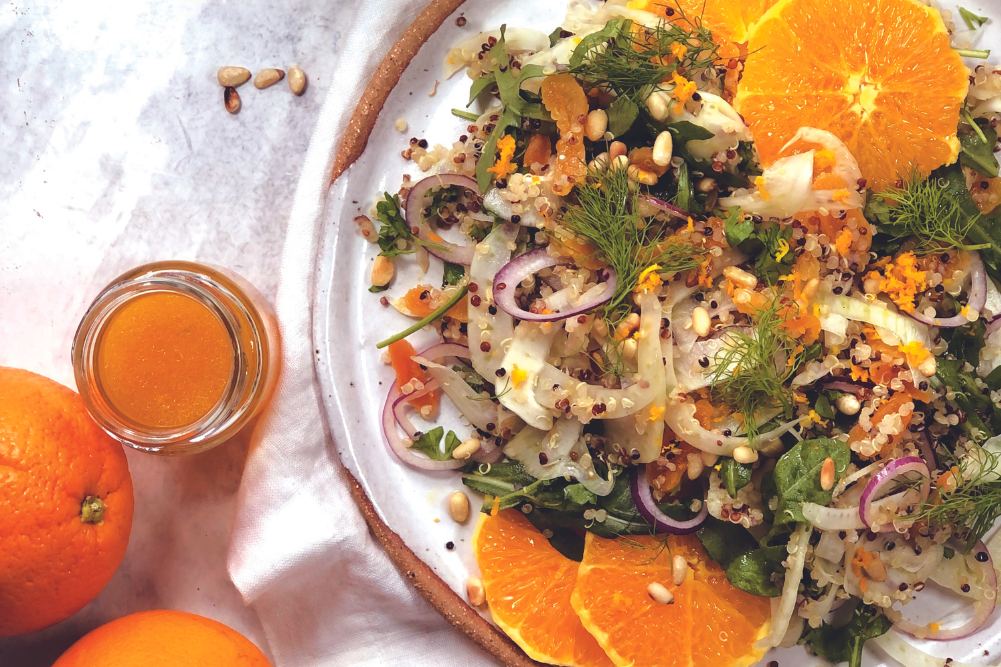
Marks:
<point>164,360</point>
<point>401,354</point>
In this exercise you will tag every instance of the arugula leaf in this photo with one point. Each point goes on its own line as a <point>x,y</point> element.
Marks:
<point>771,263</point>
<point>797,476</point>
<point>430,444</point>
<point>479,85</point>
<point>724,542</point>
<point>977,152</point>
<point>394,227</point>
<point>736,227</point>
<point>845,644</point>
<point>452,274</point>
<point>684,131</point>
<point>735,475</point>
<point>613,28</point>
<point>981,412</point>
<point>755,570</point>
<point>972,20</point>
<point>621,115</point>
<point>823,407</point>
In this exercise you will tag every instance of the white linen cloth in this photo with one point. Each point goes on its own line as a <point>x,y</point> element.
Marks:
<point>301,553</point>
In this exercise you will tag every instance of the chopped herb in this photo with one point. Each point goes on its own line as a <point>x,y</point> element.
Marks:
<point>452,274</point>
<point>431,444</point>
<point>394,228</point>
<point>737,227</point>
<point>973,21</point>
<point>467,115</point>
<point>441,310</point>
<point>606,216</point>
<point>751,371</point>
<point>974,53</point>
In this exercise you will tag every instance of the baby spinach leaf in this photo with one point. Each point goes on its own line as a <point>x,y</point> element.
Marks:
<point>430,444</point>
<point>845,644</point>
<point>735,475</point>
<point>823,407</point>
<point>736,227</point>
<point>621,115</point>
<point>755,571</point>
<point>797,476</point>
<point>977,152</point>
<point>684,131</point>
<point>724,542</point>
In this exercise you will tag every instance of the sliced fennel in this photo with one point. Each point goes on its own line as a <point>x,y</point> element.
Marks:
<point>496,330</point>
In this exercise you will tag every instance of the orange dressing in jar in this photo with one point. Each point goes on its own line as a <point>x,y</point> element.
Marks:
<point>176,357</point>
<point>164,360</point>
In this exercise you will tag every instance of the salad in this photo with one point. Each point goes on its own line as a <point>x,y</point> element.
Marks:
<point>667,308</point>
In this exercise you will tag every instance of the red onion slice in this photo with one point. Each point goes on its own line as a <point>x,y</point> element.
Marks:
<point>648,509</point>
<point>396,444</point>
<point>847,387</point>
<point>983,608</point>
<point>976,302</point>
<point>522,266</point>
<point>400,405</point>
<point>877,485</point>
<point>993,325</point>
<point>664,206</point>
<point>442,249</point>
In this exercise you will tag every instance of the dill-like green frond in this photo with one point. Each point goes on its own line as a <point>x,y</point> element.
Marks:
<point>639,58</point>
<point>606,216</point>
<point>975,503</point>
<point>750,373</point>
<point>926,210</point>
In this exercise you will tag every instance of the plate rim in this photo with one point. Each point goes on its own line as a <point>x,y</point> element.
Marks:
<point>419,574</point>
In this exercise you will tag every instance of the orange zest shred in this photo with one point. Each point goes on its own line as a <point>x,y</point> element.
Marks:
<point>844,243</point>
<point>902,281</point>
<point>503,167</point>
<point>649,279</point>
<point>683,91</point>
<point>518,376</point>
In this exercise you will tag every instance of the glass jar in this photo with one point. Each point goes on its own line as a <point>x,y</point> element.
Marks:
<point>175,357</point>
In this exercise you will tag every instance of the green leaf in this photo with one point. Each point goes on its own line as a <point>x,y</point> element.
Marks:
<point>972,20</point>
<point>579,495</point>
<point>765,245</point>
<point>797,476</point>
<point>430,444</point>
<point>724,542</point>
<point>755,571</point>
<point>967,341</point>
<point>736,227</point>
<point>685,191</point>
<point>685,131</point>
<point>375,289</point>
<point>465,115</point>
<point>823,407</point>
<point>977,152</point>
<point>735,475</point>
<point>393,228</point>
<point>452,274</point>
<point>981,412</point>
<point>612,29</point>
<point>555,36</point>
<point>484,82</point>
<point>621,115</point>
<point>508,118</point>
<point>845,644</point>
<point>993,379</point>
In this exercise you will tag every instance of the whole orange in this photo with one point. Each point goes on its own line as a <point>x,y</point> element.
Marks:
<point>164,639</point>
<point>65,503</point>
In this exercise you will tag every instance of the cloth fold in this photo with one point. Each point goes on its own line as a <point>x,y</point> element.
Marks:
<point>301,553</point>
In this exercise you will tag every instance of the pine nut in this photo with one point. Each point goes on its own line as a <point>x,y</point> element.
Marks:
<point>663,149</point>
<point>296,80</point>
<point>628,326</point>
<point>231,99</point>
<point>875,569</point>
<point>701,323</point>
<point>621,162</point>
<point>928,367</point>
<point>233,76</point>
<point>616,149</point>
<point>466,449</point>
<point>268,77</point>
<point>706,185</point>
<point>740,277</point>
<point>659,593</point>
<point>599,163</point>
<point>811,288</point>
<point>745,454</point>
<point>827,474</point>
<point>629,349</point>
<point>695,466</point>
<point>382,271</point>
<point>475,592</point>
<point>659,105</point>
<point>642,175</point>
<point>679,569</point>
<point>458,506</point>
<point>597,123</point>
<point>848,404</point>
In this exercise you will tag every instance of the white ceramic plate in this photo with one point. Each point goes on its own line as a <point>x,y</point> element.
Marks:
<point>348,320</point>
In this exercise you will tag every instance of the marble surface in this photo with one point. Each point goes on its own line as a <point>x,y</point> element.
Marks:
<point>115,150</point>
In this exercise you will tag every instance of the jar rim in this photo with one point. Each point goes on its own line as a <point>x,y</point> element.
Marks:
<point>245,329</point>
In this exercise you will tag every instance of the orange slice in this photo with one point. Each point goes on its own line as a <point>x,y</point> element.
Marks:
<point>528,585</point>
<point>709,624</point>
<point>879,74</point>
<point>728,20</point>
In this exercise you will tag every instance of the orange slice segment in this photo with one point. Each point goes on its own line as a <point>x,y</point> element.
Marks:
<point>880,75</point>
<point>728,20</point>
<point>528,585</point>
<point>709,624</point>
